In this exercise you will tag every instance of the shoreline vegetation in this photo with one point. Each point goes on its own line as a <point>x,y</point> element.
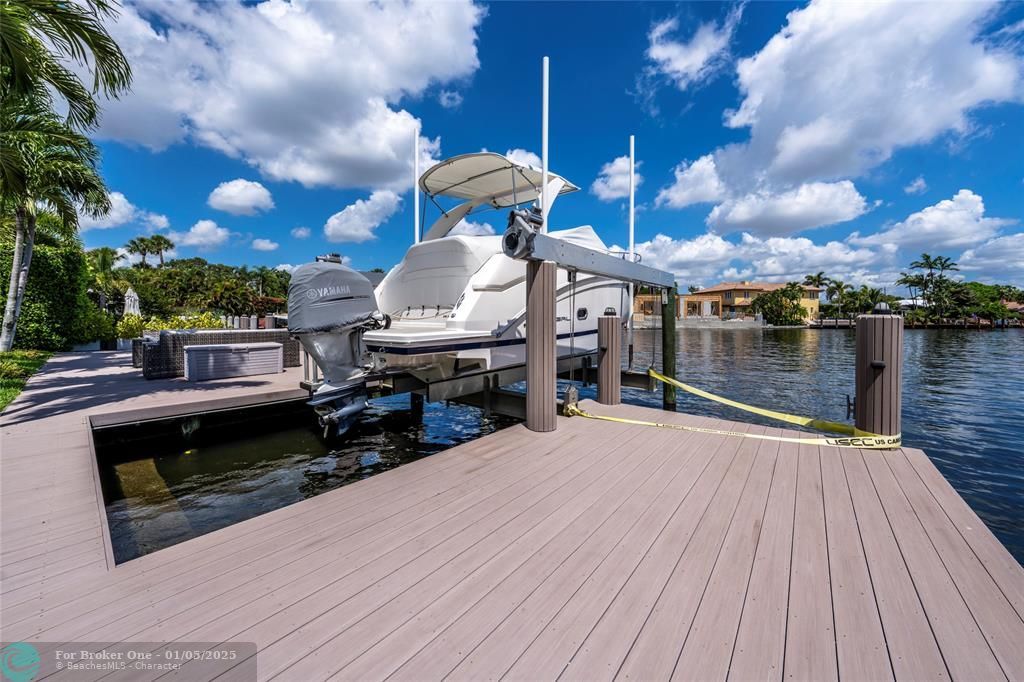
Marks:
<point>936,300</point>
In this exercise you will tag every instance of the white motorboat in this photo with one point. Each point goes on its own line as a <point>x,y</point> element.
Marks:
<point>456,304</point>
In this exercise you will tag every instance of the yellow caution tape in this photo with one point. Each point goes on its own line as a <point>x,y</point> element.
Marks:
<point>855,437</point>
<point>865,442</point>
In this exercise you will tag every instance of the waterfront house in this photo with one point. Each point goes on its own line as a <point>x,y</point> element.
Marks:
<point>727,300</point>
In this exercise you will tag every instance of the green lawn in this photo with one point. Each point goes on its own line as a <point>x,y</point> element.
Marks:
<point>16,367</point>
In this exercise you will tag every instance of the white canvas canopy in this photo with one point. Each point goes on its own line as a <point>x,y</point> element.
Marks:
<point>486,175</point>
<point>131,303</point>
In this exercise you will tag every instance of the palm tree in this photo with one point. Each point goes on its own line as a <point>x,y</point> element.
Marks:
<point>104,259</point>
<point>139,247</point>
<point>836,291</point>
<point>819,280</point>
<point>62,179</point>
<point>158,244</point>
<point>41,41</point>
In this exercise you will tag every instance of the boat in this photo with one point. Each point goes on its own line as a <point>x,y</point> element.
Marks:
<point>455,304</point>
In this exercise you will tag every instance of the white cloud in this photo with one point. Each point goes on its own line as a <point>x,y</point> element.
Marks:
<point>286,267</point>
<point>228,76</point>
<point>205,234</point>
<point>710,258</point>
<point>810,205</point>
<point>956,222</point>
<point>241,197</point>
<point>613,180</point>
<point>122,212</point>
<point>472,229</point>
<point>812,97</point>
<point>264,245</point>
<point>523,158</point>
<point>450,99</point>
<point>356,222</point>
<point>813,102</point>
<point>301,232</point>
<point>997,260</point>
<point>696,61</point>
<point>918,186</point>
<point>695,183</point>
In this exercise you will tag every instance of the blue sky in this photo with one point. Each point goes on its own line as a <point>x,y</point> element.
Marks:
<point>773,139</point>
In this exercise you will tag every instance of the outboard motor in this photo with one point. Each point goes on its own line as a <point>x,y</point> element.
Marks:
<point>329,307</point>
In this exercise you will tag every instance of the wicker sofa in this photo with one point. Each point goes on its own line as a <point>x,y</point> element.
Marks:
<point>164,358</point>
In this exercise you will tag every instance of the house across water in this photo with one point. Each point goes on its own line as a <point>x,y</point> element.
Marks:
<point>725,301</point>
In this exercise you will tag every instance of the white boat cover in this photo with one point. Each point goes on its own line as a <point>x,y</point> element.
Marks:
<point>486,174</point>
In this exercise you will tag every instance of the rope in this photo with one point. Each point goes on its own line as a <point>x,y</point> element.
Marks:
<point>862,442</point>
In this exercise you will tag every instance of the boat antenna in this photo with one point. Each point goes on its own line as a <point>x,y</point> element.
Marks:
<point>632,217</point>
<point>416,184</point>
<point>544,149</point>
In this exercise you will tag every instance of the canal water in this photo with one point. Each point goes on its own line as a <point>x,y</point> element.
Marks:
<point>963,405</point>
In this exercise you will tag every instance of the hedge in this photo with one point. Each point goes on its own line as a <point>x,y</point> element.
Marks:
<point>55,308</point>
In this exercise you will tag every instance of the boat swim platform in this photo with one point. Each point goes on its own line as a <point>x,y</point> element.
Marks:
<point>601,550</point>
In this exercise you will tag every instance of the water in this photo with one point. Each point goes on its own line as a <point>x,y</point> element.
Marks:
<point>963,397</point>
<point>176,492</point>
<point>963,405</point>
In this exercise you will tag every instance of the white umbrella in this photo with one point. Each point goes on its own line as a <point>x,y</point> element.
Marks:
<point>131,303</point>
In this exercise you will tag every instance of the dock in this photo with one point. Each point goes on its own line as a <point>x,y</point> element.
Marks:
<point>598,551</point>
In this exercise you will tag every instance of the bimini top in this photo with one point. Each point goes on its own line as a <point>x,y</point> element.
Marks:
<point>486,175</point>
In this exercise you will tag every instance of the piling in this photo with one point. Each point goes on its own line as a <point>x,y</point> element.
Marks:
<point>609,350</point>
<point>254,322</point>
<point>236,323</point>
<point>243,322</point>
<point>268,322</point>
<point>540,346</point>
<point>879,372</point>
<point>668,347</point>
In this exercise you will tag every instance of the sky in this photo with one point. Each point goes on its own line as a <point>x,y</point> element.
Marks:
<point>772,139</point>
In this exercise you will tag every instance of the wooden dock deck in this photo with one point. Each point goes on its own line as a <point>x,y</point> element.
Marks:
<point>598,551</point>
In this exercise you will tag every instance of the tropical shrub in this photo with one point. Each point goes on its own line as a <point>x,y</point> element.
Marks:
<point>55,295</point>
<point>94,325</point>
<point>129,327</point>
<point>782,306</point>
<point>189,321</point>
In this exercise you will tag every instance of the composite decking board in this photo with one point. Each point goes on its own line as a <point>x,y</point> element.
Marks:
<point>503,597</point>
<point>202,585</point>
<point>810,626</point>
<point>999,563</point>
<point>211,598</point>
<point>496,653</point>
<point>964,648</point>
<point>860,642</point>
<point>253,533</point>
<point>708,645</point>
<point>539,594</point>
<point>913,650</point>
<point>506,521</point>
<point>761,636</point>
<point>492,543</point>
<point>986,602</point>
<point>611,624</point>
<point>657,646</point>
<point>571,521</point>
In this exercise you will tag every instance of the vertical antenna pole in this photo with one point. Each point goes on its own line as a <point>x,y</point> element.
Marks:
<point>632,218</point>
<point>416,185</point>
<point>544,150</point>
